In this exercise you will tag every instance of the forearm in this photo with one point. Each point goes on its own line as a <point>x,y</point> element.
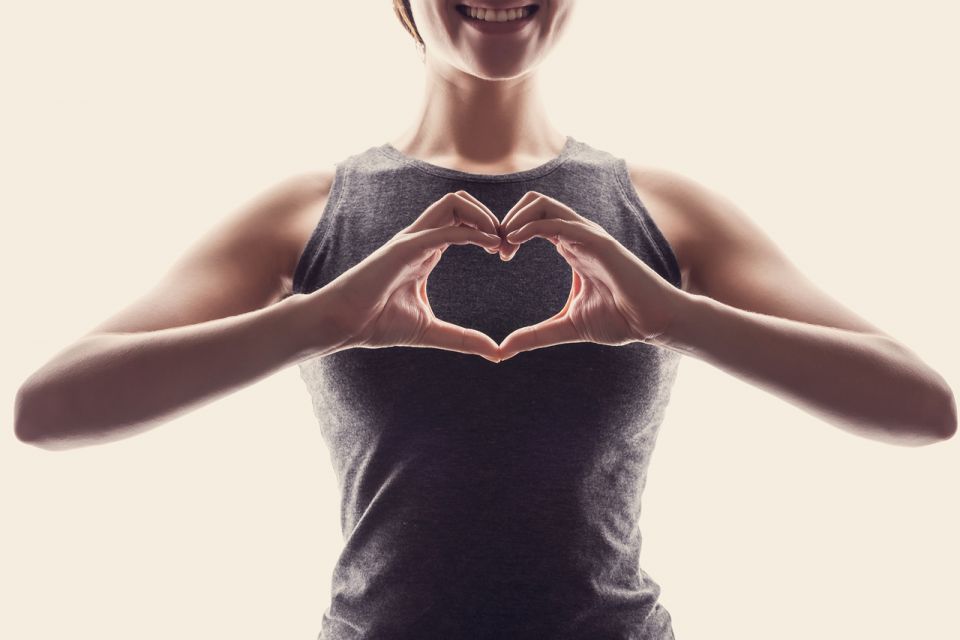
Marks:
<point>866,384</point>
<point>111,386</point>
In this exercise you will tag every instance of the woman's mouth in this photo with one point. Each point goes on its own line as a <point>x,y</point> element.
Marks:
<point>497,20</point>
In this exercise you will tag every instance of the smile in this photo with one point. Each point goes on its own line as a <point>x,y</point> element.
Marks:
<point>519,13</point>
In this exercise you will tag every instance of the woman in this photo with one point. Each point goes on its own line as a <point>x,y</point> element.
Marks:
<point>494,496</point>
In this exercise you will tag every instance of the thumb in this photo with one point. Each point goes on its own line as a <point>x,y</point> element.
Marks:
<point>441,334</point>
<point>557,330</point>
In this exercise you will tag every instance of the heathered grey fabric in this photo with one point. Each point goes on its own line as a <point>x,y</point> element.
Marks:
<point>484,500</point>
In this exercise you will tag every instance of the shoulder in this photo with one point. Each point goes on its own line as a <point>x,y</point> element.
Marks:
<point>299,202</point>
<point>298,191</point>
<point>275,211</point>
<point>275,216</point>
<point>689,203</point>
<point>694,217</point>
<point>664,183</point>
<point>268,231</point>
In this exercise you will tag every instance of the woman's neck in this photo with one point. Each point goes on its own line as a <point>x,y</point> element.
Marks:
<point>495,126</point>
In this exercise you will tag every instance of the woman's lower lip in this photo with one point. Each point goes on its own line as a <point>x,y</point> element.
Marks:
<point>509,26</point>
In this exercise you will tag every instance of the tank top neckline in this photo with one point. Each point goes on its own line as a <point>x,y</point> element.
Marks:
<point>446,172</point>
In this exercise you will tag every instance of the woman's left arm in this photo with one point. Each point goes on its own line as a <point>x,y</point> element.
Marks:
<point>751,312</point>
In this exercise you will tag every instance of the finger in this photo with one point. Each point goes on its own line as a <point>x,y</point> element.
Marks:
<point>422,293</point>
<point>555,229</point>
<point>539,209</point>
<point>542,208</point>
<point>507,251</point>
<point>526,199</point>
<point>454,209</point>
<point>556,330</point>
<point>441,334</point>
<point>493,218</point>
<point>576,284</point>
<point>421,243</point>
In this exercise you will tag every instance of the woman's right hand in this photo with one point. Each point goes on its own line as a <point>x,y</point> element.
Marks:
<point>382,300</point>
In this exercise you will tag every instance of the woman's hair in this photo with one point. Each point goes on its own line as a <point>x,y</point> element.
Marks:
<point>402,9</point>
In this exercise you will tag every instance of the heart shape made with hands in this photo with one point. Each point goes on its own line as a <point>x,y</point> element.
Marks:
<point>474,289</point>
<point>601,296</point>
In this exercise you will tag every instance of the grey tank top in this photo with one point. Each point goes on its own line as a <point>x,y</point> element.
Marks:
<point>478,499</point>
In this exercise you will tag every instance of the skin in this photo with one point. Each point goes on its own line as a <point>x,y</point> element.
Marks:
<point>223,317</point>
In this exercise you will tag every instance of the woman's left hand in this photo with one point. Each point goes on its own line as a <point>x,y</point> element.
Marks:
<point>615,298</point>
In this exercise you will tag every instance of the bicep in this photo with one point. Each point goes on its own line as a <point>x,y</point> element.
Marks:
<point>738,263</point>
<point>235,267</point>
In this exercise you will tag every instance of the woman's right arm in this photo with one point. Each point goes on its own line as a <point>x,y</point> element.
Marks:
<point>217,322</point>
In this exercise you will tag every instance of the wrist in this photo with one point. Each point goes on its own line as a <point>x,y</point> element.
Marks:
<point>687,316</point>
<point>315,325</point>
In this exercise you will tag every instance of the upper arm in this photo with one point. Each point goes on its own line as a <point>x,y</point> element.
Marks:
<point>239,265</point>
<point>732,260</point>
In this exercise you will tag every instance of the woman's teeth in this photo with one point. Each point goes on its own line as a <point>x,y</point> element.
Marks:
<point>495,15</point>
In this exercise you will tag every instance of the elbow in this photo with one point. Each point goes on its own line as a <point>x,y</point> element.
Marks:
<point>31,417</point>
<point>939,412</point>
<point>947,416</point>
<point>24,425</point>
<point>26,422</point>
<point>936,404</point>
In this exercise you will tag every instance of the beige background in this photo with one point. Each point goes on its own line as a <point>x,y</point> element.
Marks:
<point>129,128</point>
